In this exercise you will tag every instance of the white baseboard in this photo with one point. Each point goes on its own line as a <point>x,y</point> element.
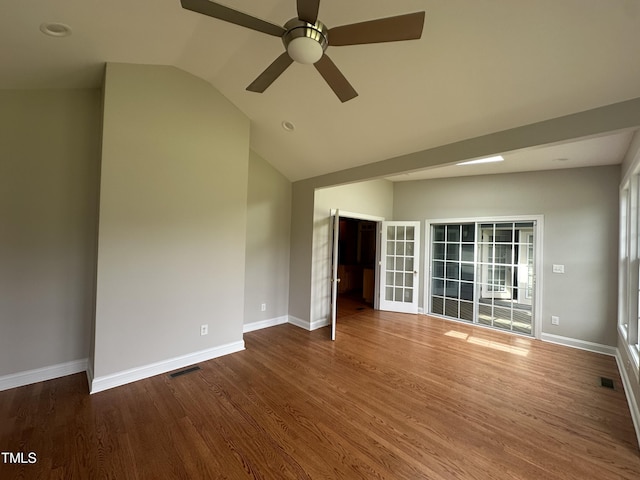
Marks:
<point>106,382</point>
<point>271,322</point>
<point>320,324</point>
<point>307,325</point>
<point>581,344</point>
<point>298,322</point>
<point>28,377</point>
<point>629,393</point>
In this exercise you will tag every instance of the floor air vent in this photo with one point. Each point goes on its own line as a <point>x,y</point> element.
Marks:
<point>606,382</point>
<point>185,371</point>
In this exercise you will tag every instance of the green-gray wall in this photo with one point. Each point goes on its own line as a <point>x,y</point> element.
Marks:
<point>580,231</point>
<point>49,164</point>
<point>172,229</point>
<point>153,224</point>
<point>268,238</point>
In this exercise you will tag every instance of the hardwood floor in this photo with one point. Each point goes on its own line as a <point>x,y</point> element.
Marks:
<point>395,397</point>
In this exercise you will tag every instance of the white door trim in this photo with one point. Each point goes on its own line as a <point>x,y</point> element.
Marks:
<point>357,216</point>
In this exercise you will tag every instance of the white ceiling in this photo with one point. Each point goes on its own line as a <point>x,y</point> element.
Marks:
<point>481,66</point>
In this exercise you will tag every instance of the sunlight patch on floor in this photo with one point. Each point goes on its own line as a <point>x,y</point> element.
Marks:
<point>454,334</point>
<point>523,352</point>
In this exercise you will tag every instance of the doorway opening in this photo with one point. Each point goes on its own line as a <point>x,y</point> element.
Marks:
<point>357,253</point>
<point>374,265</point>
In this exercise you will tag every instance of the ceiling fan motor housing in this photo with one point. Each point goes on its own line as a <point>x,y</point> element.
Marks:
<point>305,42</point>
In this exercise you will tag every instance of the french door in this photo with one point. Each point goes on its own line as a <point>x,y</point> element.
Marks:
<point>484,273</point>
<point>399,266</point>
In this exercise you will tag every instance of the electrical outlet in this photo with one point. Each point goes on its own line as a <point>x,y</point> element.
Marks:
<point>204,329</point>
<point>263,307</point>
<point>558,268</point>
<point>555,320</point>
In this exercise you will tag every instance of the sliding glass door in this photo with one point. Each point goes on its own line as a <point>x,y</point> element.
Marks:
<point>484,272</point>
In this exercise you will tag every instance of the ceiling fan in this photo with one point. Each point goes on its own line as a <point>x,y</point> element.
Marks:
<point>306,39</point>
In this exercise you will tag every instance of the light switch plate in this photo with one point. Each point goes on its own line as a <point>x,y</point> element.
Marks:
<point>558,268</point>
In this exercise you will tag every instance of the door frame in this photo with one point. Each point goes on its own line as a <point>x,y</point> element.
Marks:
<point>538,232</point>
<point>360,216</point>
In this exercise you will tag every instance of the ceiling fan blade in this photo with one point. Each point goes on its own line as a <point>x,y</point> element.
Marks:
<point>272,72</point>
<point>338,83</point>
<point>230,15</point>
<point>308,10</point>
<point>390,29</point>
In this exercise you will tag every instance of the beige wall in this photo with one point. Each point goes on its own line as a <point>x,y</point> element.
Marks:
<point>268,236</point>
<point>49,162</point>
<point>172,218</point>
<point>580,231</point>
<point>374,198</point>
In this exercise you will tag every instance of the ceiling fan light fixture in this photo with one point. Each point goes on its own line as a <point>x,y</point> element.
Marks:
<point>305,42</point>
<point>305,50</point>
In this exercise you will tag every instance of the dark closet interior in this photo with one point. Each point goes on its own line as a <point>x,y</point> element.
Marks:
<point>356,259</point>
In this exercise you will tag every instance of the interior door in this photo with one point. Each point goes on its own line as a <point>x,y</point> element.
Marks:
<point>400,264</point>
<point>335,217</point>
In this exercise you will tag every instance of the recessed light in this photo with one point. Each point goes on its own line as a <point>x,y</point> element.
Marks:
<point>288,126</point>
<point>54,29</point>
<point>497,158</point>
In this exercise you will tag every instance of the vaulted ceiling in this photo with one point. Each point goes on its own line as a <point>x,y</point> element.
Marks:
<point>481,66</point>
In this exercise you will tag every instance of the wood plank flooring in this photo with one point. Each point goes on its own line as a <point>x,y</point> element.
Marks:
<point>395,397</point>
